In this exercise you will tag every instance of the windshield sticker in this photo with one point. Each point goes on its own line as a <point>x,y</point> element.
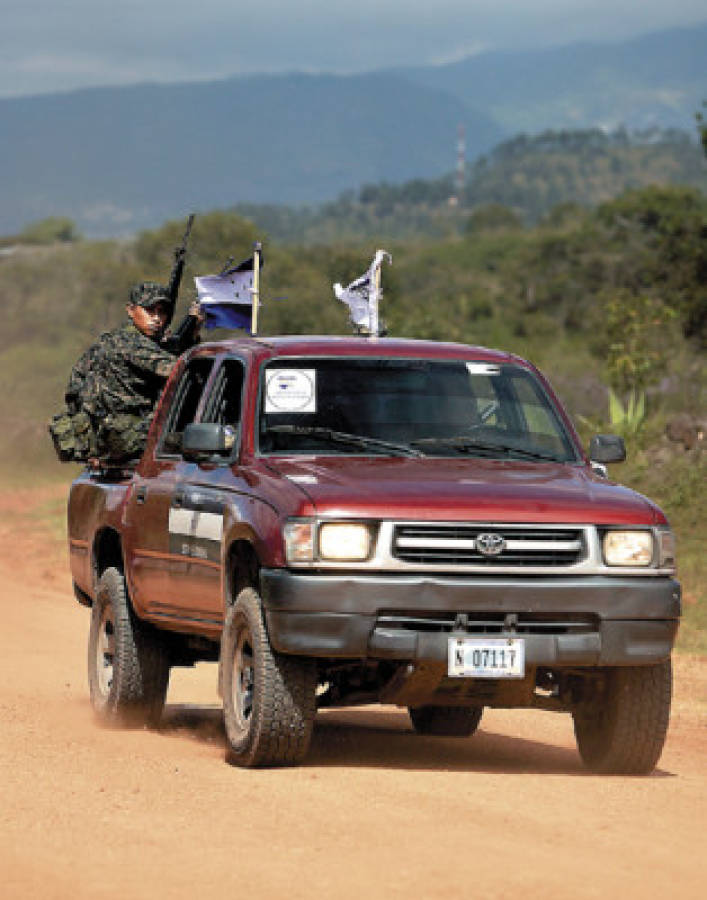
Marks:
<point>481,368</point>
<point>290,391</point>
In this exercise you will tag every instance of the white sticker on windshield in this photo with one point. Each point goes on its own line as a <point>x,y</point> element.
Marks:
<point>290,391</point>
<point>482,368</point>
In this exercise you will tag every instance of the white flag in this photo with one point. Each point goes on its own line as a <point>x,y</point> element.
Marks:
<point>362,297</point>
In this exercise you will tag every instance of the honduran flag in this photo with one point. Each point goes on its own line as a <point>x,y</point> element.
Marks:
<point>227,299</point>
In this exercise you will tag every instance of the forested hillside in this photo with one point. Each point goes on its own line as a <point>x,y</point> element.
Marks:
<point>532,176</point>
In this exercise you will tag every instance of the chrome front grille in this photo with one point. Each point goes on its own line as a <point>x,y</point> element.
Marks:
<point>458,545</point>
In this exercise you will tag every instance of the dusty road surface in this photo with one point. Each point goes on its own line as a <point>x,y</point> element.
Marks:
<point>376,812</point>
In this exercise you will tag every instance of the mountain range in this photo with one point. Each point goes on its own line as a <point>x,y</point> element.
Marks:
<point>120,159</point>
<point>659,79</point>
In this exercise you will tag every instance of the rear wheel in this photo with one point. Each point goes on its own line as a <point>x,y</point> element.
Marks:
<point>446,721</point>
<point>128,665</point>
<point>621,729</point>
<point>268,698</point>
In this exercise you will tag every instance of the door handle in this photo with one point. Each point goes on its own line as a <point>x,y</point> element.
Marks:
<point>141,494</point>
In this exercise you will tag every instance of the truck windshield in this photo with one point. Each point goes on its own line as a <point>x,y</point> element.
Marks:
<point>408,407</point>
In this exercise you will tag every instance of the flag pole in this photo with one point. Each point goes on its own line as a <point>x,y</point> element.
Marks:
<point>255,290</point>
<point>374,298</point>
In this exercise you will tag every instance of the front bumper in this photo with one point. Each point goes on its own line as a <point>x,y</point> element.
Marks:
<point>338,616</point>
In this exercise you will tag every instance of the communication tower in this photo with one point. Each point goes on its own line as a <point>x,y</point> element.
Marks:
<point>460,172</point>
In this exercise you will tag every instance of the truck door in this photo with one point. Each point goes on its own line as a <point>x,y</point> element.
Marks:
<point>153,558</point>
<point>198,503</point>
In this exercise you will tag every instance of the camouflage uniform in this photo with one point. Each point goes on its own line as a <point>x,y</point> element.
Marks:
<point>114,386</point>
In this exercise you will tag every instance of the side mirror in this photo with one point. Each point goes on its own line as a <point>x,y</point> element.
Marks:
<point>607,448</point>
<point>204,439</point>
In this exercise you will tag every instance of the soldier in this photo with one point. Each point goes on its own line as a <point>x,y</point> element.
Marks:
<point>114,386</point>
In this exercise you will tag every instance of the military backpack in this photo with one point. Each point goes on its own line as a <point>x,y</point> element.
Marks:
<point>73,436</point>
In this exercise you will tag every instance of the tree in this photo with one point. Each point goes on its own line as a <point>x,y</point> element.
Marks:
<point>49,231</point>
<point>638,352</point>
<point>492,217</point>
<point>661,233</point>
<point>215,237</point>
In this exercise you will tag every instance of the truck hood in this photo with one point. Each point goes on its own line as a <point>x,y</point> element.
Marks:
<point>462,490</point>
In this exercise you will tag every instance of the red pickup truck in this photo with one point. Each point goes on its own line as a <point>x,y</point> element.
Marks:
<point>346,520</point>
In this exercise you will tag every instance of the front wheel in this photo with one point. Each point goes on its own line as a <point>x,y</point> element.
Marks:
<point>268,698</point>
<point>446,721</point>
<point>128,665</point>
<point>621,729</point>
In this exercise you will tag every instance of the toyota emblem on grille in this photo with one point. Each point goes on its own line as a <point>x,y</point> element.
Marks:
<point>490,544</point>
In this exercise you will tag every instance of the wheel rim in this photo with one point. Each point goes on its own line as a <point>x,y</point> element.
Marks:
<point>105,653</point>
<point>243,684</point>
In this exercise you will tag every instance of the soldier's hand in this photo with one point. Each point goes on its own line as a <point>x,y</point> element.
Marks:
<point>196,311</point>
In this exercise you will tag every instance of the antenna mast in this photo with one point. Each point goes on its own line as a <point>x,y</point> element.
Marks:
<point>460,175</point>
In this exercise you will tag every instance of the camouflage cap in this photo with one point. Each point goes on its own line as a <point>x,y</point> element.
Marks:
<point>147,293</point>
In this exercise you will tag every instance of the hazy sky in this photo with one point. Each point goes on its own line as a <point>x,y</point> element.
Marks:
<point>52,45</point>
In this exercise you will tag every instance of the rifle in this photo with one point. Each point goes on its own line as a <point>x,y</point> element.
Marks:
<point>175,277</point>
<point>182,334</point>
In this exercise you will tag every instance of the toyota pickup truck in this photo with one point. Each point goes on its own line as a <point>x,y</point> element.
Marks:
<point>338,521</point>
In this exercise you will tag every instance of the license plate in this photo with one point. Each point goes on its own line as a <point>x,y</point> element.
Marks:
<point>486,658</point>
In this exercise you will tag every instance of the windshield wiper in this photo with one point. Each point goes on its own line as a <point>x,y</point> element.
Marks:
<point>464,443</point>
<point>345,437</point>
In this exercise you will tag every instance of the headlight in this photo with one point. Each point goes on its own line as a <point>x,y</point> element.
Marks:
<point>628,548</point>
<point>299,541</point>
<point>344,541</point>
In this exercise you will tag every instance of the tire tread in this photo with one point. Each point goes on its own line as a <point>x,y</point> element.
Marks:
<point>284,696</point>
<point>140,663</point>
<point>627,737</point>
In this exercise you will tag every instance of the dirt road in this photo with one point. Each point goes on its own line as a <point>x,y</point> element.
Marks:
<point>376,812</point>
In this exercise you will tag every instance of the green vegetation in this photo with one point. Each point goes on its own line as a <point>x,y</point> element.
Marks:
<point>523,180</point>
<point>627,420</point>
<point>534,174</point>
<point>613,296</point>
<point>49,231</point>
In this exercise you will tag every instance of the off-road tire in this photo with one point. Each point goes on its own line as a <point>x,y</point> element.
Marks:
<point>446,721</point>
<point>268,698</point>
<point>623,729</point>
<point>128,664</point>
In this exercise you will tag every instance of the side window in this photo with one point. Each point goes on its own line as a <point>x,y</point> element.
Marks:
<point>224,403</point>
<point>540,421</point>
<point>184,404</point>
